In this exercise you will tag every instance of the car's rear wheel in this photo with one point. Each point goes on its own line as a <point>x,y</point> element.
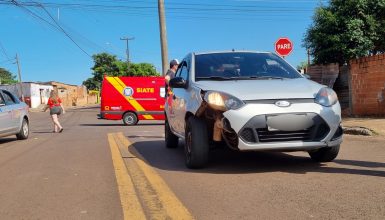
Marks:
<point>130,118</point>
<point>196,143</point>
<point>170,138</point>
<point>325,154</point>
<point>24,130</point>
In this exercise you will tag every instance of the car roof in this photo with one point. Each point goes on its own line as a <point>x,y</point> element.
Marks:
<point>230,51</point>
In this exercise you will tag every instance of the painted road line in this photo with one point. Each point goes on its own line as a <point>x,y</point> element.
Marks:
<point>131,206</point>
<point>159,193</point>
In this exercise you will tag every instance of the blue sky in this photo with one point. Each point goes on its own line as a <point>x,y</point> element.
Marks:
<point>47,54</point>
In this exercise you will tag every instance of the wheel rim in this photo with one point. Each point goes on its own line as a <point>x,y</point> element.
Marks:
<point>25,129</point>
<point>129,119</point>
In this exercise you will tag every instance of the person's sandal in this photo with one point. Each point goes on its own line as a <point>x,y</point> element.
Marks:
<point>61,130</point>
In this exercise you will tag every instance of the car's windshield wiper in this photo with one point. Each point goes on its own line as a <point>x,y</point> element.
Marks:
<point>215,78</point>
<point>270,77</point>
<point>238,77</point>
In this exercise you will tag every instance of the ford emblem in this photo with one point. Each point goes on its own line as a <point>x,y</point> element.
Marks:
<point>282,103</point>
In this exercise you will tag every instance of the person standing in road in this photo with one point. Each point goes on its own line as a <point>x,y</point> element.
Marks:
<point>171,72</point>
<point>55,109</point>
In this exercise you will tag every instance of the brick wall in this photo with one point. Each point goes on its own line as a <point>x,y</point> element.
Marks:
<point>367,76</point>
<point>341,87</point>
<point>324,74</point>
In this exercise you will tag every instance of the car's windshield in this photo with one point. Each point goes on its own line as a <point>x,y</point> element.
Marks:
<point>242,65</point>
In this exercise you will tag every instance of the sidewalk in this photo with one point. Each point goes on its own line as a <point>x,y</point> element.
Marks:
<point>375,124</point>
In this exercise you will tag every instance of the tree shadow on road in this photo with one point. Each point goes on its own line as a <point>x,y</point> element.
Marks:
<point>226,161</point>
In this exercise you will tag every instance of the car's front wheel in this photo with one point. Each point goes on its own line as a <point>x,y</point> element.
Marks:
<point>196,143</point>
<point>325,154</point>
<point>24,130</point>
<point>170,138</point>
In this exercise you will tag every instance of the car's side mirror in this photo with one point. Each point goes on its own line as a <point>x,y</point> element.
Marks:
<point>307,76</point>
<point>178,82</point>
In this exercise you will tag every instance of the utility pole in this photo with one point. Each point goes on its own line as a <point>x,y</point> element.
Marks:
<point>163,36</point>
<point>19,73</point>
<point>127,50</point>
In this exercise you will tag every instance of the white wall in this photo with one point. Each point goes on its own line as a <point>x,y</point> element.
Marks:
<point>35,94</point>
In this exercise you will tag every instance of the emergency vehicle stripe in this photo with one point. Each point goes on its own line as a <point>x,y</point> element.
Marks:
<point>120,86</point>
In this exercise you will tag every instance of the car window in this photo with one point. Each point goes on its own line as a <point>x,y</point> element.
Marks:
<point>184,72</point>
<point>8,98</point>
<point>242,65</point>
<point>177,73</point>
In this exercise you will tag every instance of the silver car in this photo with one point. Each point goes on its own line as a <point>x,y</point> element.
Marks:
<point>250,101</point>
<point>14,119</point>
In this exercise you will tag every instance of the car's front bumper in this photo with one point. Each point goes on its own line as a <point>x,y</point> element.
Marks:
<point>289,133</point>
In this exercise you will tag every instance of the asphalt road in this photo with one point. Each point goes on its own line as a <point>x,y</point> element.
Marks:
<point>76,175</point>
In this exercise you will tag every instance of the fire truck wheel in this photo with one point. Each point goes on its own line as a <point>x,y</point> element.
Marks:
<point>130,118</point>
<point>170,138</point>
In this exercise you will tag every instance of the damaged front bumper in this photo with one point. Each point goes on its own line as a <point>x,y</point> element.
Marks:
<point>299,127</point>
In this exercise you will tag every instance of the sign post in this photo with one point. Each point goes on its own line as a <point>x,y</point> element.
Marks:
<point>283,46</point>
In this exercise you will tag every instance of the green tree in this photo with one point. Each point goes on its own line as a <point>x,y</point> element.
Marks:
<point>107,64</point>
<point>346,29</point>
<point>91,84</point>
<point>6,77</point>
<point>142,69</point>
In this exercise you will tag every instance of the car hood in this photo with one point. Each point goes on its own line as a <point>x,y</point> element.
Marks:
<point>260,89</point>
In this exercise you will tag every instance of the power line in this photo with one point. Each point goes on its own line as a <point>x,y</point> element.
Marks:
<point>4,52</point>
<point>181,7</point>
<point>57,26</point>
<point>49,14</point>
<point>33,13</point>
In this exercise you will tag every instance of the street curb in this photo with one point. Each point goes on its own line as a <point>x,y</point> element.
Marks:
<point>359,131</point>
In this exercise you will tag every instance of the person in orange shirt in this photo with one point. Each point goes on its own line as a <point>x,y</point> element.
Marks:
<point>55,109</point>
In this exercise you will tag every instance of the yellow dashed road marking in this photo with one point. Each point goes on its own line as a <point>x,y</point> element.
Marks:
<point>131,206</point>
<point>157,199</point>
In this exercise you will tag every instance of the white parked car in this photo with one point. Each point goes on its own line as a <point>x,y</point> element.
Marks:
<point>14,119</point>
<point>252,101</point>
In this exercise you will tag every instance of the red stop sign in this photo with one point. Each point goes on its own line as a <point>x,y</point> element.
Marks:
<point>283,46</point>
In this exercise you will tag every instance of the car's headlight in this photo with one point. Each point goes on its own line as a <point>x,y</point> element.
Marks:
<point>326,97</point>
<point>222,101</point>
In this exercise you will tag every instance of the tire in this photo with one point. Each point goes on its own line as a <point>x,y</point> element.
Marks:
<point>130,118</point>
<point>170,138</point>
<point>196,143</point>
<point>24,130</point>
<point>325,154</point>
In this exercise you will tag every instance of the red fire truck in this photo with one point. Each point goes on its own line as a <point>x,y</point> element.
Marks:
<point>133,99</point>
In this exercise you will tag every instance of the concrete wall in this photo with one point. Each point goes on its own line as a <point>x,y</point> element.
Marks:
<point>367,88</point>
<point>15,89</point>
<point>39,94</point>
<point>72,95</point>
<point>31,92</point>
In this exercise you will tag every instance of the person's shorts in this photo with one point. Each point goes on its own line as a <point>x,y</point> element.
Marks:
<point>56,110</point>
